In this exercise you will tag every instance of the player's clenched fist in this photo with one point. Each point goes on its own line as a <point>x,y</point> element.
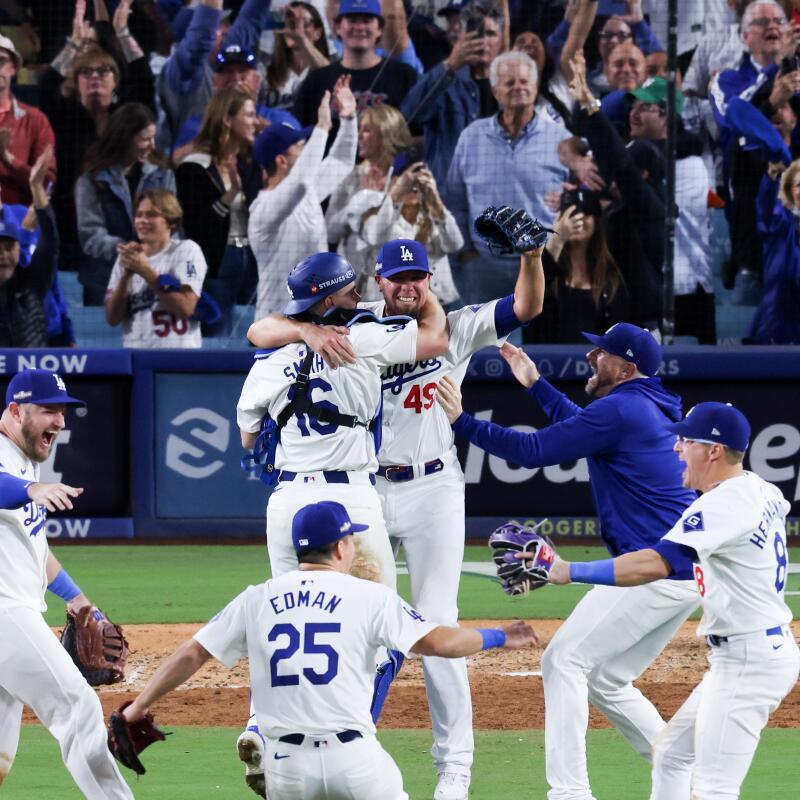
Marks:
<point>53,496</point>
<point>519,634</point>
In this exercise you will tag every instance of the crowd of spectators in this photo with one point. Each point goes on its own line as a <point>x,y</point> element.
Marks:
<point>181,155</point>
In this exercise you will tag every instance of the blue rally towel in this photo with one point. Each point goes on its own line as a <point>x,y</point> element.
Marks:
<point>746,120</point>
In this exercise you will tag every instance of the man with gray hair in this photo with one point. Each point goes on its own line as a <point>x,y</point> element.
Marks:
<point>767,37</point>
<point>510,158</point>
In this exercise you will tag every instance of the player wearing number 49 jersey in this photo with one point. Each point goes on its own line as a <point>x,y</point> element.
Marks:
<point>736,535</point>
<point>311,637</point>
<point>420,481</point>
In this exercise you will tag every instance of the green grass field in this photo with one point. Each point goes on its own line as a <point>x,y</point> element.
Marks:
<point>143,584</point>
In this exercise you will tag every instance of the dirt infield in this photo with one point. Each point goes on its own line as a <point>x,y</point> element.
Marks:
<point>218,696</point>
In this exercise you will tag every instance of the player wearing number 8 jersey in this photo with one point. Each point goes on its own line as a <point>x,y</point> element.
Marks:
<point>736,535</point>
<point>311,636</point>
<point>155,283</point>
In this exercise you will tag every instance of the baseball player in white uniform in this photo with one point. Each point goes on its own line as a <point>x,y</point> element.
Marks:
<point>156,283</point>
<point>35,670</point>
<point>311,636</point>
<point>420,481</point>
<point>324,460</point>
<point>735,533</point>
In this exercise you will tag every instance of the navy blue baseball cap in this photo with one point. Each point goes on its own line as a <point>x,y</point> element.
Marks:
<point>39,386</point>
<point>715,423</point>
<point>401,255</point>
<point>276,140</point>
<point>314,278</point>
<point>9,229</point>
<point>320,524</point>
<point>234,54</point>
<point>632,343</point>
<point>372,7</point>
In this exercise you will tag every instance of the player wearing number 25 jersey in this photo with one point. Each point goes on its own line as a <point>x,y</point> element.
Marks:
<point>311,637</point>
<point>736,535</point>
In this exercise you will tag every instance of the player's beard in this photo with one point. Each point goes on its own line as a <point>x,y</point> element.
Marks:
<point>33,444</point>
<point>598,386</point>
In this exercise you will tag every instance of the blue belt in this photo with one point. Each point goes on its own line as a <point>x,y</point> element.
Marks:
<point>716,641</point>
<point>398,474</point>
<point>331,476</point>
<point>298,738</point>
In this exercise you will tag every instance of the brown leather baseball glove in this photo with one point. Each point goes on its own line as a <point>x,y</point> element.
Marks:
<point>96,645</point>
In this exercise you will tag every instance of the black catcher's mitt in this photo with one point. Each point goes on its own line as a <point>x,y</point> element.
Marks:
<point>96,645</point>
<point>510,230</point>
<point>519,576</point>
<point>127,739</point>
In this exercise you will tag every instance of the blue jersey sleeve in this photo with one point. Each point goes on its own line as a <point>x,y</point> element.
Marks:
<point>555,404</point>
<point>505,320</point>
<point>680,557</point>
<point>13,491</point>
<point>585,434</point>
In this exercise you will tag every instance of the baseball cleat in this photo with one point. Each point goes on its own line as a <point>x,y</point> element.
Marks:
<point>250,747</point>
<point>452,786</point>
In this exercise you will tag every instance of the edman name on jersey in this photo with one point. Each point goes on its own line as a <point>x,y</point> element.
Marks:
<point>394,377</point>
<point>302,599</point>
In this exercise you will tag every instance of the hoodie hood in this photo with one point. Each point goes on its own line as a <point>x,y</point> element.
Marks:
<point>651,388</point>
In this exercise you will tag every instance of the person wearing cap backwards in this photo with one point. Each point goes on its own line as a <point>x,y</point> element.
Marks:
<point>335,457</point>
<point>286,222</point>
<point>420,481</point>
<point>735,535</point>
<point>23,321</point>
<point>186,82</point>
<point>611,636</point>
<point>375,80</point>
<point>25,133</point>
<point>35,670</point>
<point>311,636</point>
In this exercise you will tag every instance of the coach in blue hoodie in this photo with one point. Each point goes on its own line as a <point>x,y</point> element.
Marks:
<point>612,636</point>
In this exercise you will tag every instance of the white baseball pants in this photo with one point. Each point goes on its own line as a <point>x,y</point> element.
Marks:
<point>705,751</point>
<point>610,638</point>
<point>358,496</point>
<point>427,516</point>
<point>326,769</point>
<point>36,670</point>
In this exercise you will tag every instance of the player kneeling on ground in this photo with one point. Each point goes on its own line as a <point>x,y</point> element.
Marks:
<point>736,535</point>
<point>311,636</point>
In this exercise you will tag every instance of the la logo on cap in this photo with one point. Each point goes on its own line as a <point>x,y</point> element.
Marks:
<point>405,253</point>
<point>60,383</point>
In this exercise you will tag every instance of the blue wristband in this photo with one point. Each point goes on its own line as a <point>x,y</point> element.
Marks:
<point>64,587</point>
<point>601,572</point>
<point>492,637</point>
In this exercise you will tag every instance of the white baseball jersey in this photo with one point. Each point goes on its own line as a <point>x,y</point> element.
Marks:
<point>307,445</point>
<point>738,531</point>
<point>311,637</point>
<point>149,324</point>
<point>415,426</point>
<point>23,543</point>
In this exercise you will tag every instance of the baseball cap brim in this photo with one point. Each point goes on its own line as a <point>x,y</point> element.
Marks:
<point>596,339</point>
<point>389,271</point>
<point>356,527</point>
<point>62,400</point>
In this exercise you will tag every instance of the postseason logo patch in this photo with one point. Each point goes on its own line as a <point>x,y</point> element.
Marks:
<point>693,523</point>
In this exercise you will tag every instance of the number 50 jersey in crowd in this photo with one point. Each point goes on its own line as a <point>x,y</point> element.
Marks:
<point>311,637</point>
<point>150,325</point>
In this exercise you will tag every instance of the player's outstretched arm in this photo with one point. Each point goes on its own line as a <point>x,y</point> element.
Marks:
<point>329,341</point>
<point>54,496</point>
<point>630,569</point>
<point>177,669</point>
<point>432,337</point>
<point>458,642</point>
<point>529,289</point>
<point>60,583</point>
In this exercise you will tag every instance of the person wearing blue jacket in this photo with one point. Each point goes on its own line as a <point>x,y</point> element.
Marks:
<point>613,634</point>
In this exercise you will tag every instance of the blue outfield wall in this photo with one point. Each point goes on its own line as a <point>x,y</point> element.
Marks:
<point>157,449</point>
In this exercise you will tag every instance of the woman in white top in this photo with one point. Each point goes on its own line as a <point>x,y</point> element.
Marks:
<point>300,47</point>
<point>156,282</point>
<point>383,135</point>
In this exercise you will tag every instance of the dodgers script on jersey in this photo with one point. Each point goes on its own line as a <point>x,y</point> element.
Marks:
<point>738,531</point>
<point>149,324</point>
<point>311,637</point>
<point>306,444</point>
<point>23,543</point>
<point>415,427</point>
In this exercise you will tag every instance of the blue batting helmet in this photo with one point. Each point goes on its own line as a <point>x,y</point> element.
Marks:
<point>314,278</point>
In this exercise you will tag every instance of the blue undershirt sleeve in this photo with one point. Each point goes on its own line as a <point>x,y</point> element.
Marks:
<point>13,491</point>
<point>505,320</point>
